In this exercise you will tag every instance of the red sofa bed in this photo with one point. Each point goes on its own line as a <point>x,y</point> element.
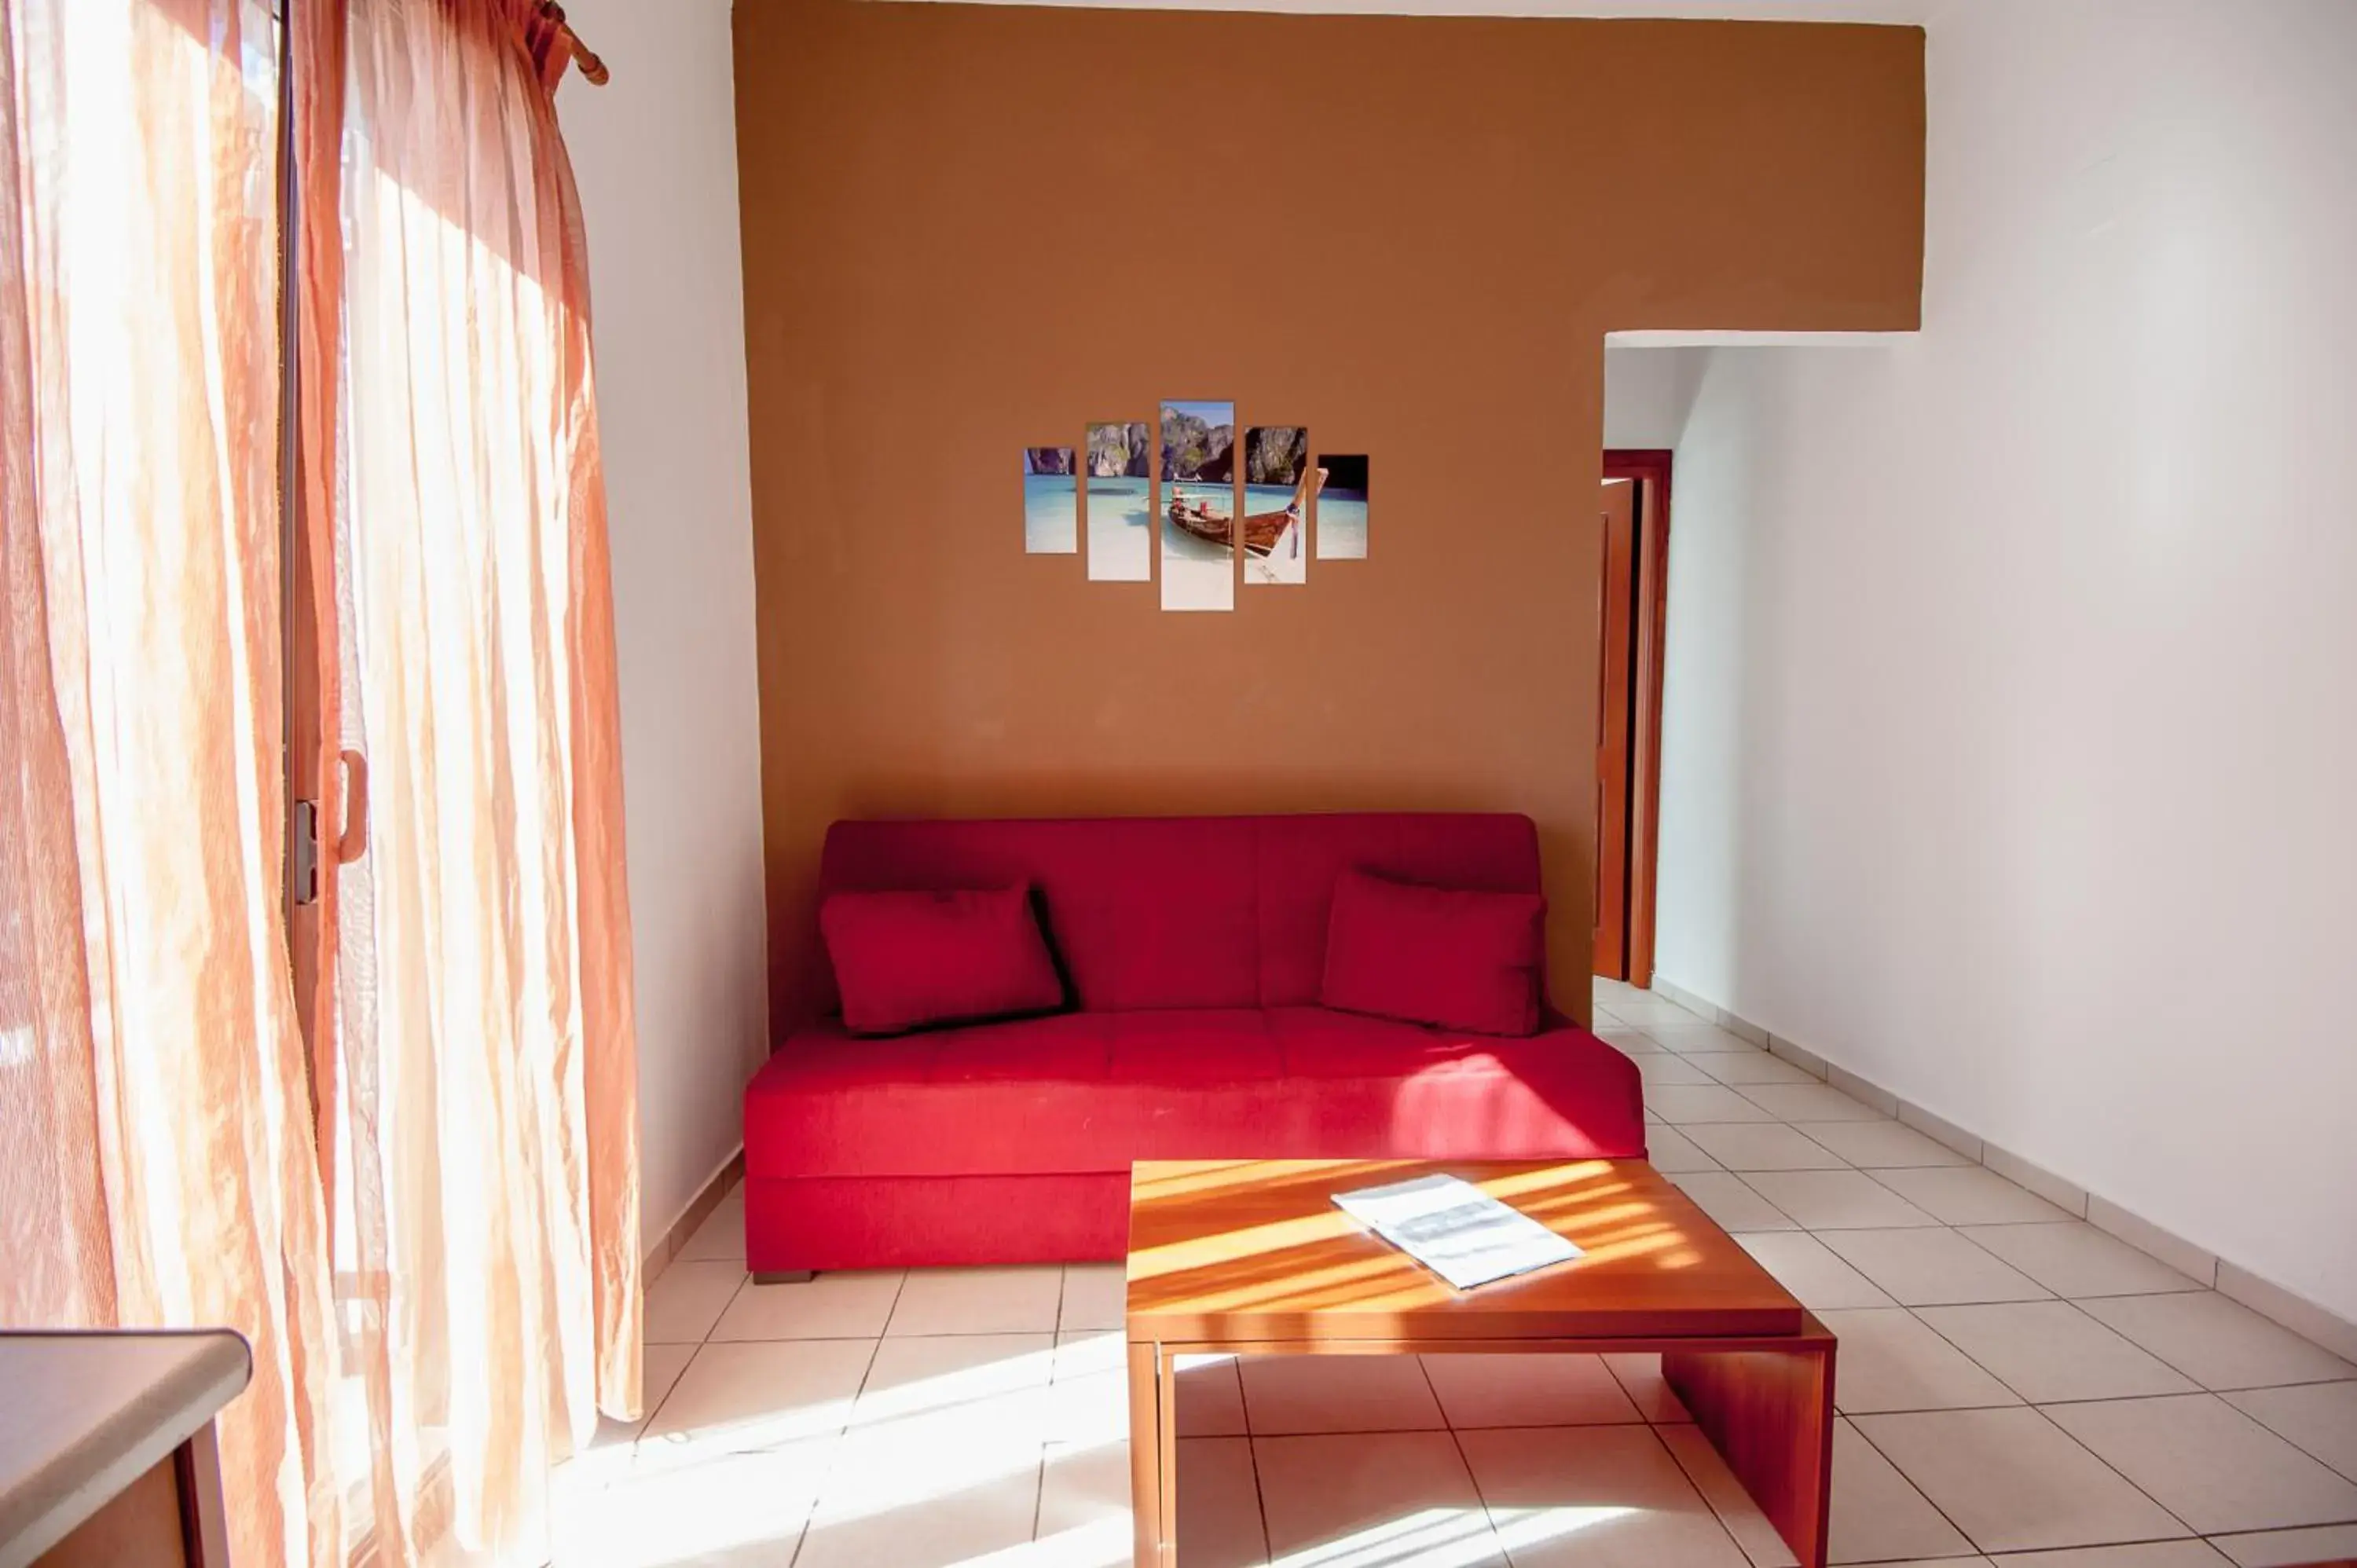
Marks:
<point>1193,949</point>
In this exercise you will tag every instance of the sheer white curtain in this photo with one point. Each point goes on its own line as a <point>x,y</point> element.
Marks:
<point>484,1121</point>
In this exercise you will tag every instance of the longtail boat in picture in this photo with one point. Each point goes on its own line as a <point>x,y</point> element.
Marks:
<point>1260,529</point>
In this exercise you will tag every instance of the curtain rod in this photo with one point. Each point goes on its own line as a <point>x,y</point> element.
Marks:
<point>593,70</point>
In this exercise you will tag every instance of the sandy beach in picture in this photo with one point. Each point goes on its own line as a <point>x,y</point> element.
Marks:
<point>1199,482</point>
<point>1341,509</point>
<point>1119,480</point>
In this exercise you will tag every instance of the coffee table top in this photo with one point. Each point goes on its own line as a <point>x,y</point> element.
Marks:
<point>1237,1252</point>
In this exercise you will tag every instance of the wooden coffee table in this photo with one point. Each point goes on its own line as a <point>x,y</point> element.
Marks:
<point>1251,1257</point>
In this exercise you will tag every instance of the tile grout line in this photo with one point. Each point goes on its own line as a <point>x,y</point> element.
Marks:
<point>1694,1484</point>
<point>1933,1328</point>
<point>1463,1458</point>
<point>2349,1475</point>
<point>2336,1335</point>
<point>2026,1402</point>
<point>1252,1450</point>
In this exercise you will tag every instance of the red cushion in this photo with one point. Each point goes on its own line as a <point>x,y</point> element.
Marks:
<point>1165,912</point>
<point>1091,1091</point>
<point>905,960</point>
<point>1431,955</point>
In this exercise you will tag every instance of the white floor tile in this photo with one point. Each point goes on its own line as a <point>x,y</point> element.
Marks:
<point>853,1306</point>
<point>978,1384</point>
<point>2321,1417</point>
<point>979,1301</point>
<point>1738,1514</point>
<point>2013,1481</point>
<point>1084,1504</point>
<point>1665,1070</point>
<point>2145,1554</point>
<point>1289,1395</point>
<point>923,1505</point>
<point>1931,1265</point>
<point>2076,1259</point>
<point>2050,1350</point>
<point>731,1510</point>
<point>1089,1353</point>
<point>1407,1491</point>
<point>1763,1146</point>
<point>2210,1465</point>
<point>1670,1150</point>
<point>1088,1396</point>
<point>2219,1343</point>
<point>2287,1547</point>
<point>1219,1506</point>
<point>1631,1041</point>
<point>1640,1375</point>
<point>721,1236</point>
<point>1804,1266</point>
<point>688,1299</point>
<point>1561,1497</point>
<point>1692,1036</point>
<point>1680,1104</point>
<point>1810,1103</point>
<point>1882,1145</point>
<point>1647,1010</point>
<point>1890,1360</point>
<point>1836,1200</point>
<point>1969,1195</point>
<point>1733,1205</point>
<point>1096,1295</point>
<point>1211,1397</point>
<point>758,1395</point>
<point>1744,1068</point>
<point>1481,1390</point>
<point>1878,1514</point>
<point>659,1369</point>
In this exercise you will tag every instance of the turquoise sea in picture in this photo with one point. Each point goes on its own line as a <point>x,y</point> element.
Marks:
<point>1342,525</point>
<point>1121,529</point>
<point>1051,514</point>
<point>1288,562</point>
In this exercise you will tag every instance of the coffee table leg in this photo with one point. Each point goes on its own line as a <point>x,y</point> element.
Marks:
<point>1154,1454</point>
<point>1769,1413</point>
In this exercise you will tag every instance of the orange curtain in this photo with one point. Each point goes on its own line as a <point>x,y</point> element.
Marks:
<point>443,1301</point>
<point>158,1166</point>
<point>481,1100</point>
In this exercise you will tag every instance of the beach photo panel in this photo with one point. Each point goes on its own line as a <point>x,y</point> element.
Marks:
<point>1278,481</point>
<point>1198,506</point>
<point>1340,513</point>
<point>1051,501</point>
<point>1118,500</point>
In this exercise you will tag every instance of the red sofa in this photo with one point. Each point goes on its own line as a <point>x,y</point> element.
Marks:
<point>1194,948</point>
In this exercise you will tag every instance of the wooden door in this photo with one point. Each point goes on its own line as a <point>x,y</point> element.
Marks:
<point>1616,608</point>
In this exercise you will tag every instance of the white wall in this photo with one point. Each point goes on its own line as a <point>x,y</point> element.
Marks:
<point>1648,394</point>
<point>2010,741</point>
<point>655,154</point>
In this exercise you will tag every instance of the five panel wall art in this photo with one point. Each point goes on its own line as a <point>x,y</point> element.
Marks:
<point>1215,493</point>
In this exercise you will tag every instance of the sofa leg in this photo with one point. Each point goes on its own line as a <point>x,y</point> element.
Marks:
<point>786,1277</point>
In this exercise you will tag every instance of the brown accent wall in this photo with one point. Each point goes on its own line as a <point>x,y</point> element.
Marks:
<point>972,228</point>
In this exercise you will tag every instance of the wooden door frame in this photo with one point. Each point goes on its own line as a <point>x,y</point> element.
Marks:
<point>1651,468</point>
<point>1615,728</point>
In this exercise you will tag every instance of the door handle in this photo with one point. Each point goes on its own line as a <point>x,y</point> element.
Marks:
<point>352,842</point>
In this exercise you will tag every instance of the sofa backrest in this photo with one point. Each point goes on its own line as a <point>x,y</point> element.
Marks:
<point>1185,911</point>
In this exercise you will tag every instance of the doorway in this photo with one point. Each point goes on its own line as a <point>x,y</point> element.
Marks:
<point>1633,599</point>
